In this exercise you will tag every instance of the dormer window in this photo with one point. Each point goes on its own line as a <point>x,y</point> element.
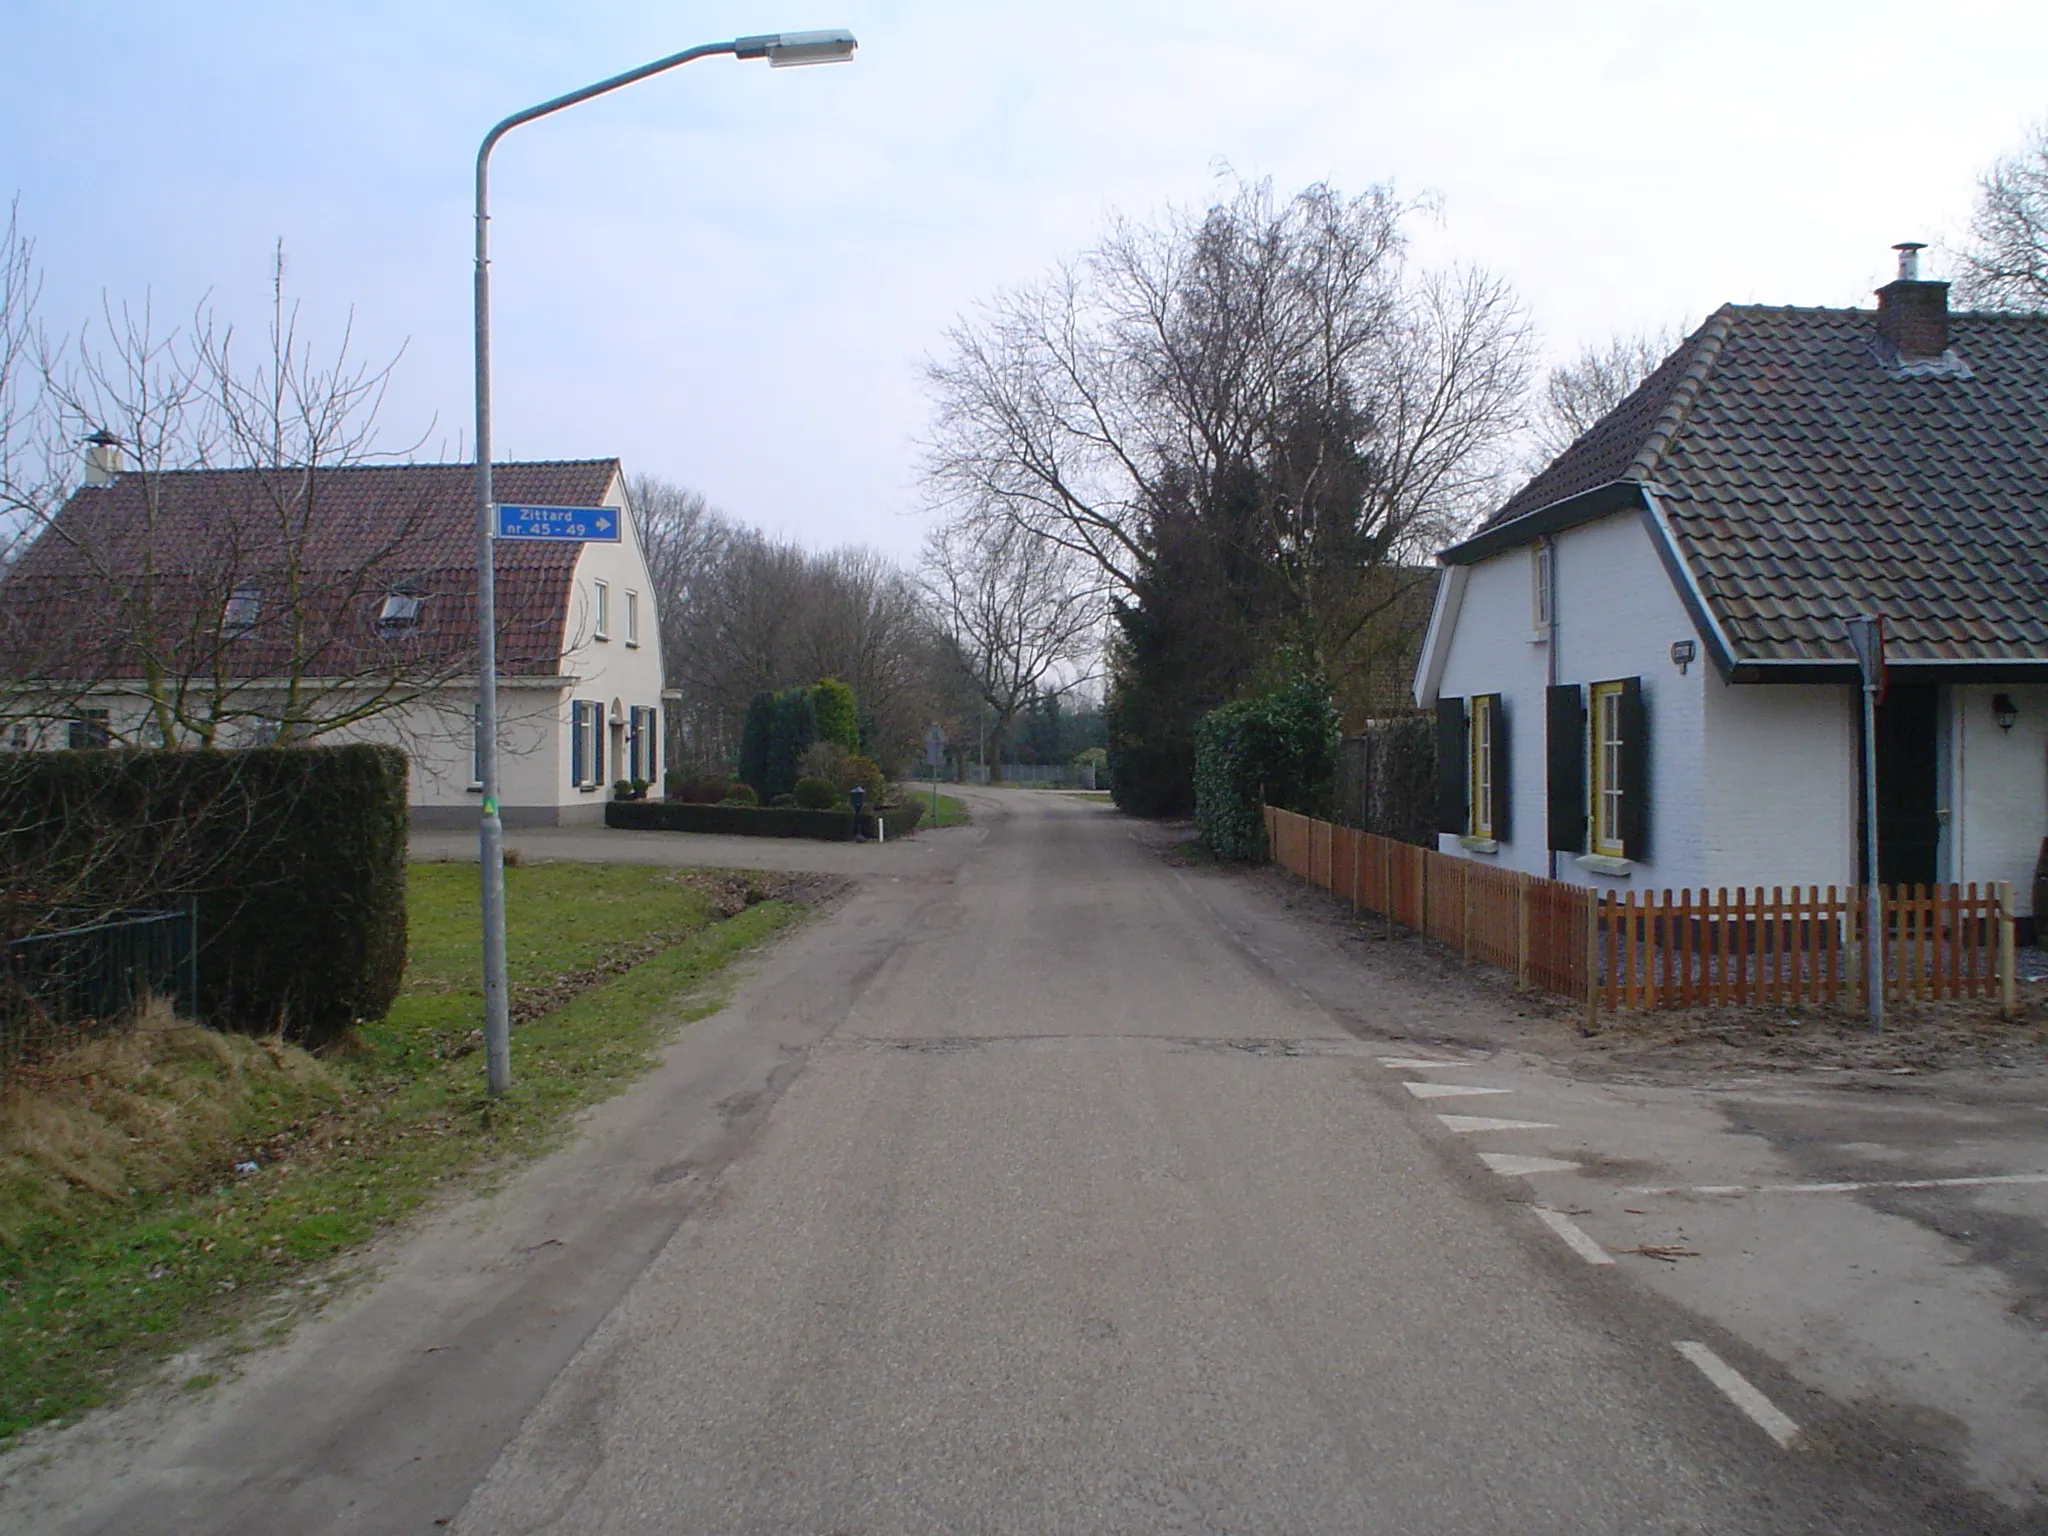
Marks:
<point>401,611</point>
<point>238,616</point>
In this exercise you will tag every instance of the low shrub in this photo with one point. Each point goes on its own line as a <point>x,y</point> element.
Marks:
<point>868,774</point>
<point>739,794</point>
<point>814,794</point>
<point>781,800</point>
<point>701,789</point>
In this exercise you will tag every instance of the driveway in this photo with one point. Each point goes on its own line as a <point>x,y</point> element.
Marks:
<point>1038,1189</point>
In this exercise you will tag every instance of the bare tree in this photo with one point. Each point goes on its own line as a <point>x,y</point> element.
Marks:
<point>2005,259</point>
<point>1577,394</point>
<point>1020,615</point>
<point>222,588</point>
<point>1269,374</point>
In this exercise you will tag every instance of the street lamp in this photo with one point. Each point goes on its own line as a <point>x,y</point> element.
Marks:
<point>782,50</point>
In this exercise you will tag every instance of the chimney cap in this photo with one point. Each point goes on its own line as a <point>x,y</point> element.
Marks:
<point>102,439</point>
<point>1909,259</point>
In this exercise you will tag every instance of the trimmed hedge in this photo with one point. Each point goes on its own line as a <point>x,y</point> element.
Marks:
<point>1279,748</point>
<point>753,821</point>
<point>295,854</point>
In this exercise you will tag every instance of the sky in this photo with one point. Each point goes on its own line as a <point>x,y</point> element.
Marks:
<point>732,277</point>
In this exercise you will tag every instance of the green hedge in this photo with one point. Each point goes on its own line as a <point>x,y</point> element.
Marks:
<point>296,857</point>
<point>1279,748</point>
<point>755,821</point>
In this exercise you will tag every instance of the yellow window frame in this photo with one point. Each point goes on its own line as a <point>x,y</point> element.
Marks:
<point>1603,743</point>
<point>1479,728</point>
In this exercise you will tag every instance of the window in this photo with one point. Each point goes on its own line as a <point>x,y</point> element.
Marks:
<point>239,614</point>
<point>401,610</point>
<point>18,738</point>
<point>640,744</point>
<point>89,731</point>
<point>632,617</point>
<point>476,746</point>
<point>1608,792</point>
<point>602,593</point>
<point>1543,585</point>
<point>1479,754</point>
<point>586,743</point>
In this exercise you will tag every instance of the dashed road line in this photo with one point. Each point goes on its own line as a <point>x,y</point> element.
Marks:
<point>1761,1410</point>
<point>1447,1090</point>
<point>1574,1236</point>
<point>1843,1187</point>
<point>1513,1165</point>
<point>1415,1063</point>
<point>1465,1125</point>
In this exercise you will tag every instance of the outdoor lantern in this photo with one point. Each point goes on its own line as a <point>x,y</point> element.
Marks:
<point>1682,654</point>
<point>2003,710</point>
<point>857,795</point>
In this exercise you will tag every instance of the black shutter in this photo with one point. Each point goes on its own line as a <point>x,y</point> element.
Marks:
<point>1502,815</point>
<point>1450,766</point>
<point>598,732</point>
<point>1635,771</point>
<point>1564,746</point>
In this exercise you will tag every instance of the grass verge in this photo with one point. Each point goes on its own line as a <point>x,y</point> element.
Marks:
<point>952,812</point>
<point>153,1185</point>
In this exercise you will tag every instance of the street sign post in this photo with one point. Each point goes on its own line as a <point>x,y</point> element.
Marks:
<point>935,758</point>
<point>581,525</point>
<point>1866,639</point>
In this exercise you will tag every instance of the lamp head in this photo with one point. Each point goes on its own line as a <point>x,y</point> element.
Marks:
<point>787,50</point>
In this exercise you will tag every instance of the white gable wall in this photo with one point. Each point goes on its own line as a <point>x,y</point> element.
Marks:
<point>1616,617</point>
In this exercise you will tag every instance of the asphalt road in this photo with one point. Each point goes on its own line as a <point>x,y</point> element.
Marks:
<point>1019,1195</point>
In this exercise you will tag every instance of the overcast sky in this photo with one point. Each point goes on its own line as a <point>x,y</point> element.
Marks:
<point>730,277</point>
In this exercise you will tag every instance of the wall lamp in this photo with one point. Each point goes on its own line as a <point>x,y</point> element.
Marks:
<point>1683,653</point>
<point>2003,710</point>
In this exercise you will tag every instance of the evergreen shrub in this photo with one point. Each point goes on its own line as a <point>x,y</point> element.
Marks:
<point>295,855</point>
<point>1281,745</point>
<point>756,733</point>
<point>815,794</point>
<point>837,713</point>
<point>792,727</point>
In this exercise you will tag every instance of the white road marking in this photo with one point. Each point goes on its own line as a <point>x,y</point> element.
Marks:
<point>1761,1410</point>
<point>1574,1236</point>
<point>1512,1165</point>
<point>1414,1063</point>
<point>1466,1124</point>
<point>1848,1187</point>
<point>1447,1090</point>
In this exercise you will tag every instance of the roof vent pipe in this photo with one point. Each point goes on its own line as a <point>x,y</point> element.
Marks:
<point>102,458</point>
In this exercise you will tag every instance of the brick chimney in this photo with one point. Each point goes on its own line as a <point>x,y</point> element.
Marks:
<point>1913,315</point>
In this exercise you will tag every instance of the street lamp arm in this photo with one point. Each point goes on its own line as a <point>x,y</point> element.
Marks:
<point>630,77</point>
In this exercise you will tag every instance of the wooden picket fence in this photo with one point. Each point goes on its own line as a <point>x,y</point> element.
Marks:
<point>1664,949</point>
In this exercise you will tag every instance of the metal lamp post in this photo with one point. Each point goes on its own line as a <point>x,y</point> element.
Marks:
<point>781,50</point>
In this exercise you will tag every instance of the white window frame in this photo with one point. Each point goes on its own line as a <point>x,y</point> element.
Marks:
<point>1603,779</point>
<point>239,614</point>
<point>601,604</point>
<point>632,617</point>
<point>1543,586</point>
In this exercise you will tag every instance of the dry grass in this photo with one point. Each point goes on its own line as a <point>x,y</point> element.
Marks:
<point>153,1109</point>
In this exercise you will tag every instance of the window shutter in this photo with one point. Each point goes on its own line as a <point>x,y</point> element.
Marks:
<point>1451,787</point>
<point>576,773</point>
<point>597,735</point>
<point>1635,771</point>
<point>1503,796</point>
<point>1564,745</point>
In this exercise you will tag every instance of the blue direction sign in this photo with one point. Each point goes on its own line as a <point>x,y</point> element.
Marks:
<point>585,525</point>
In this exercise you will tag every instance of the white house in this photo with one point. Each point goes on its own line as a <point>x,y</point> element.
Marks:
<point>339,604</point>
<point>1640,667</point>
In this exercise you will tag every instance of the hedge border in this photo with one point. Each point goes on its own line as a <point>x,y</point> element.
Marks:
<point>755,821</point>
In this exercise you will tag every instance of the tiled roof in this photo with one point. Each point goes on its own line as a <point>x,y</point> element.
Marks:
<point>1806,478</point>
<point>342,537</point>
